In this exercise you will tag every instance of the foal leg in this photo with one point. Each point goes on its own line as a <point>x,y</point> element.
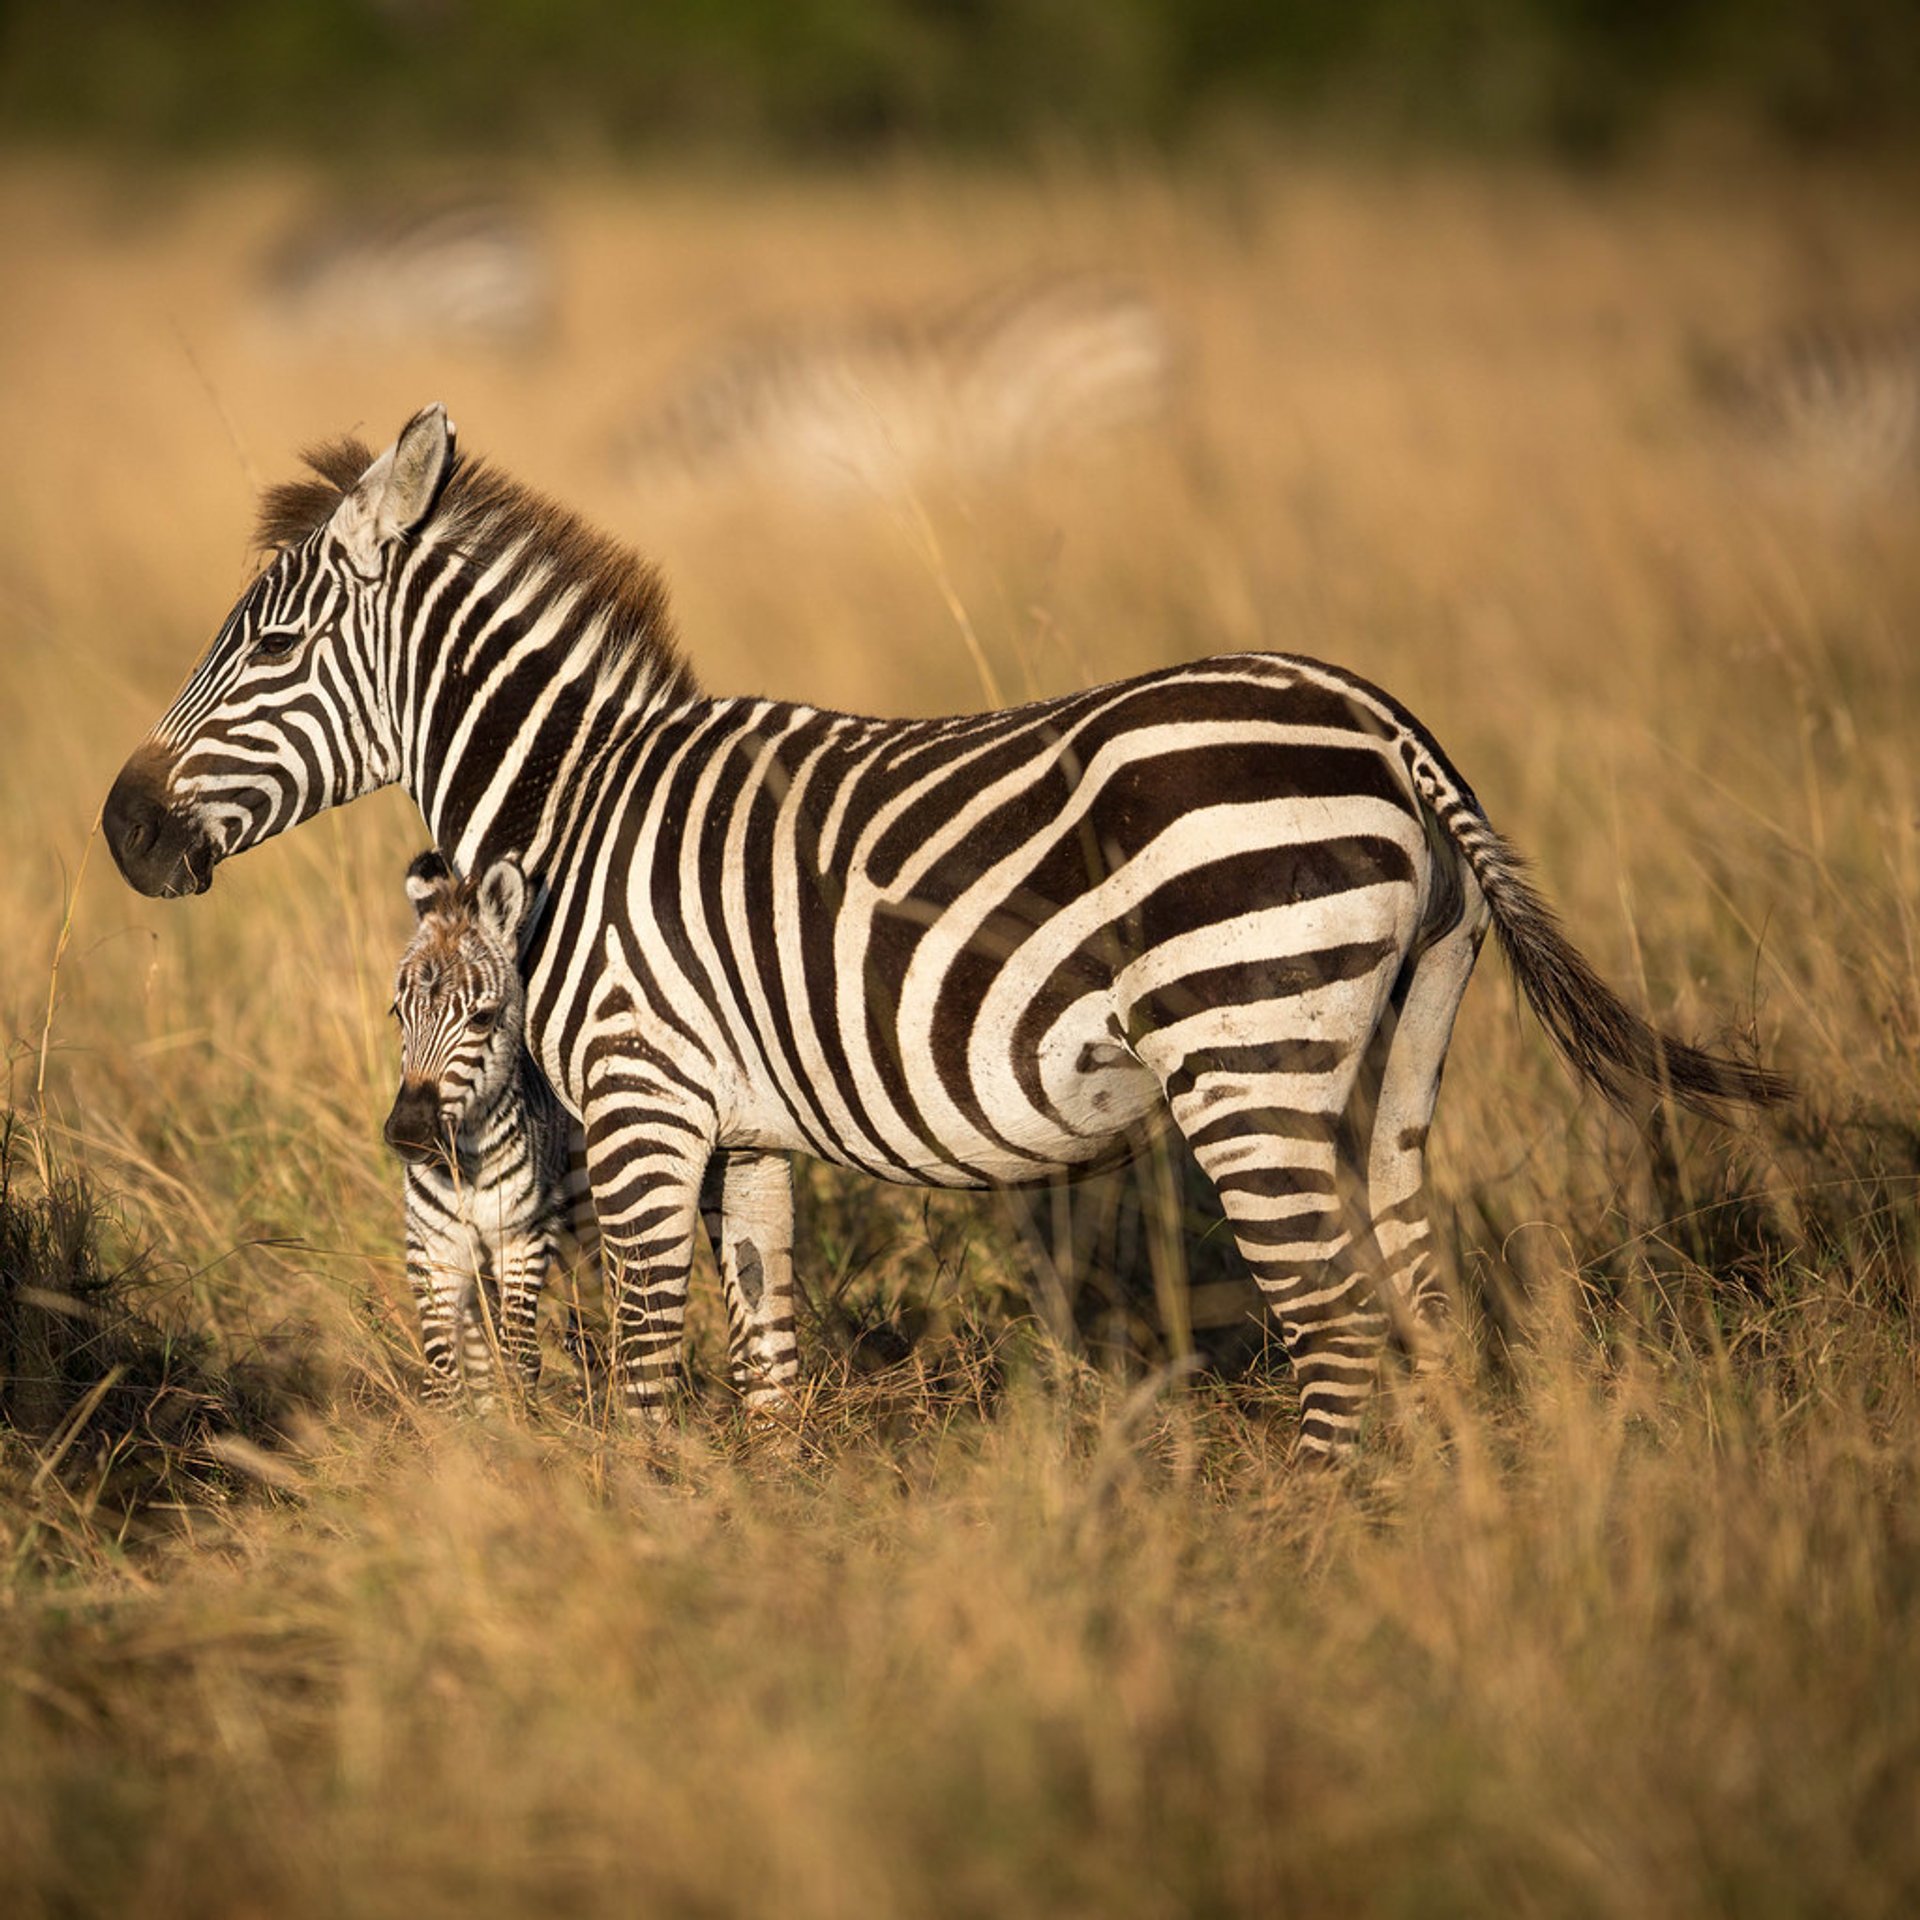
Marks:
<point>443,1297</point>
<point>523,1263</point>
<point>479,1335</point>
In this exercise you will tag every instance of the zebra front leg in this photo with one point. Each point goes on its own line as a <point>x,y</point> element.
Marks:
<point>480,1330</point>
<point>648,1276</point>
<point>577,1239</point>
<point>747,1202</point>
<point>523,1266</point>
<point>646,1168</point>
<point>442,1297</point>
<point>479,1322</point>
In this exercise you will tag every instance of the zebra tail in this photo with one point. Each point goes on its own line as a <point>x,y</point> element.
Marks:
<point>1599,1036</point>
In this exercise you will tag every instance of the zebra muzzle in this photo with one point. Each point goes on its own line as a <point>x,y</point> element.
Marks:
<point>158,853</point>
<point>413,1127</point>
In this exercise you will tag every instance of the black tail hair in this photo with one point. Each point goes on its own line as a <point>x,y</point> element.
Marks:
<point>1597,1033</point>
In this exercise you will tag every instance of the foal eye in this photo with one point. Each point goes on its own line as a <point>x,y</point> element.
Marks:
<point>275,643</point>
<point>482,1021</point>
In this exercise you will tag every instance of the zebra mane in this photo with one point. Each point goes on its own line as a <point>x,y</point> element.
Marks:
<point>491,515</point>
<point>294,508</point>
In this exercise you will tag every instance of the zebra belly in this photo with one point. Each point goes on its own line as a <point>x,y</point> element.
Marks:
<point>1076,1101</point>
<point>1079,1100</point>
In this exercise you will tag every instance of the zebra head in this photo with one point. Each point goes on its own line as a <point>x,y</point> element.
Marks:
<point>459,1000</point>
<point>285,716</point>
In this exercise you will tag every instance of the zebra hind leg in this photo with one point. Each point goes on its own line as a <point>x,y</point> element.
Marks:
<point>1265,1135</point>
<point>1411,1052</point>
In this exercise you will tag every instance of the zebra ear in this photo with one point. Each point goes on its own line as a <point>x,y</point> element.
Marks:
<point>397,492</point>
<point>502,899</point>
<point>427,881</point>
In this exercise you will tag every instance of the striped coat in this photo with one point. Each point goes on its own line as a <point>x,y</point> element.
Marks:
<point>1240,898</point>
<point>490,1187</point>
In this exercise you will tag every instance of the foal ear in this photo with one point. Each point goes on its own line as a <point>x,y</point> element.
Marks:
<point>502,899</point>
<point>428,879</point>
<point>397,492</point>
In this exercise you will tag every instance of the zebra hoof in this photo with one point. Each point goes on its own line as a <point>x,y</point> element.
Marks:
<point>1317,1458</point>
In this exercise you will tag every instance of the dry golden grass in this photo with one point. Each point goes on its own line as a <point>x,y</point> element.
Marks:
<point>1622,1623</point>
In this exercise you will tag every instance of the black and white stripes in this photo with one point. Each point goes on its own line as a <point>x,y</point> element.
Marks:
<point>490,1187</point>
<point>1241,897</point>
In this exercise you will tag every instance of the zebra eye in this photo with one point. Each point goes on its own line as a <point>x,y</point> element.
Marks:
<point>275,643</point>
<point>482,1020</point>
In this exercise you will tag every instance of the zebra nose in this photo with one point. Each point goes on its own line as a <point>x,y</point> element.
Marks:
<point>413,1127</point>
<point>158,854</point>
<point>129,818</point>
<point>135,818</point>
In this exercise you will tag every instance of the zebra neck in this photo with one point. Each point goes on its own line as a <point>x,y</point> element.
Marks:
<point>513,680</point>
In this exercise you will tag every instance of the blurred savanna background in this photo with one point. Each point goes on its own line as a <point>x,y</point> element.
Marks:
<point>1554,365</point>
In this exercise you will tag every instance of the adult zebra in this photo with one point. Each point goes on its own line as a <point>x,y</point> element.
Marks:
<point>1245,894</point>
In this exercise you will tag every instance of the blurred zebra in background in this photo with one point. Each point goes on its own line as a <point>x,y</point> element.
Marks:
<point>1834,403</point>
<point>472,271</point>
<point>882,403</point>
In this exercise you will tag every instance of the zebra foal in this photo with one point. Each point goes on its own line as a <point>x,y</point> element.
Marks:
<point>490,1181</point>
<point>1241,897</point>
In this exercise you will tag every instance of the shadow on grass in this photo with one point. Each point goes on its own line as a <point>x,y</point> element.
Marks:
<point>113,1423</point>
